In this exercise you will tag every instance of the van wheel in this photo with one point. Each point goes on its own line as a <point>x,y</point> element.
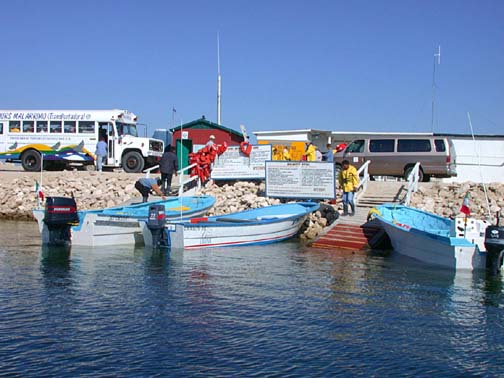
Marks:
<point>408,170</point>
<point>133,162</point>
<point>31,160</point>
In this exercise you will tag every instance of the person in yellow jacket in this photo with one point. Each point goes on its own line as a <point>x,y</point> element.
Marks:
<point>349,181</point>
<point>286,154</point>
<point>310,152</point>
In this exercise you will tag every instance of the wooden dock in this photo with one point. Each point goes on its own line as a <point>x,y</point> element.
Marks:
<point>354,232</point>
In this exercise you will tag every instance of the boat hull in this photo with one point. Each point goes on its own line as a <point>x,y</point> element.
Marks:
<point>99,229</point>
<point>237,229</point>
<point>432,239</point>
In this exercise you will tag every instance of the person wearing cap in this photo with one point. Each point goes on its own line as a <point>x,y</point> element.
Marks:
<point>147,184</point>
<point>211,141</point>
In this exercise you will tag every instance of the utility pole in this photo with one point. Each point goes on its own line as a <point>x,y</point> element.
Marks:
<point>219,120</point>
<point>437,59</point>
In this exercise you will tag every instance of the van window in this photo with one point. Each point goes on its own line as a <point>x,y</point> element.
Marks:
<point>440,145</point>
<point>41,126</point>
<point>14,126</point>
<point>356,146</point>
<point>55,126</point>
<point>413,145</point>
<point>28,126</point>
<point>381,145</point>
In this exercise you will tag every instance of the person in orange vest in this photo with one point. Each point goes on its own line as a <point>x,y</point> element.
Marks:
<point>349,182</point>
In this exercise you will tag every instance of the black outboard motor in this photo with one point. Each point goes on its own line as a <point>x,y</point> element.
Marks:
<point>60,215</point>
<point>494,244</point>
<point>156,223</point>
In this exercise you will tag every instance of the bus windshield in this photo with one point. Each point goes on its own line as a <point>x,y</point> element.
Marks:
<point>126,129</point>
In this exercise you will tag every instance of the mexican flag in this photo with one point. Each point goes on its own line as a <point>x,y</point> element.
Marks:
<point>38,191</point>
<point>465,206</point>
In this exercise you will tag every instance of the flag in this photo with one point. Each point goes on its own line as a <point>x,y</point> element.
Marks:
<point>465,206</point>
<point>38,191</point>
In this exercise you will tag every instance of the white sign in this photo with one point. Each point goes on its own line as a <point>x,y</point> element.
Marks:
<point>235,165</point>
<point>300,179</point>
<point>185,134</point>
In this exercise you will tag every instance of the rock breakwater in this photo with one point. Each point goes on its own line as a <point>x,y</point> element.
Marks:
<point>446,199</point>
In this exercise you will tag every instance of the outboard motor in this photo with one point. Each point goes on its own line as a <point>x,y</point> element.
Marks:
<point>156,223</point>
<point>60,215</point>
<point>494,244</point>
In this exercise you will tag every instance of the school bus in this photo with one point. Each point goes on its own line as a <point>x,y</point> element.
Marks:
<point>59,138</point>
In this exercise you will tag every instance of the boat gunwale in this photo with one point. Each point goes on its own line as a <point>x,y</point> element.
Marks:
<point>309,208</point>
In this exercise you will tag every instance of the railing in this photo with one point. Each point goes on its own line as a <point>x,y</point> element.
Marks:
<point>182,182</point>
<point>413,179</point>
<point>180,172</point>
<point>149,170</point>
<point>364,171</point>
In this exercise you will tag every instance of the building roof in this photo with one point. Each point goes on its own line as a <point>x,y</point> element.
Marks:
<point>203,123</point>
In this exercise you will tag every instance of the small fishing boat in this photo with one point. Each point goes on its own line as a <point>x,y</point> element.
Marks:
<point>454,243</point>
<point>111,226</point>
<point>251,227</point>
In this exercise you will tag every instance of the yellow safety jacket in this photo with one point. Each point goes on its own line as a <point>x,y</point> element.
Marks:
<point>286,154</point>
<point>348,179</point>
<point>310,153</point>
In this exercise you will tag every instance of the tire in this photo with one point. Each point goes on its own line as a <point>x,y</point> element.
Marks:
<point>31,160</point>
<point>133,162</point>
<point>408,170</point>
<point>89,167</point>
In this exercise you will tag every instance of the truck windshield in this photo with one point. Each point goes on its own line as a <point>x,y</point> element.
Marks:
<point>126,129</point>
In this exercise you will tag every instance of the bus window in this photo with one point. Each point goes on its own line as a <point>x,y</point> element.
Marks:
<point>41,126</point>
<point>14,126</point>
<point>70,126</point>
<point>28,126</point>
<point>55,126</point>
<point>86,127</point>
<point>1,128</point>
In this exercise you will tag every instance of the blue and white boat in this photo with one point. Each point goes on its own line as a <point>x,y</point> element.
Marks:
<point>433,239</point>
<point>120,225</point>
<point>257,226</point>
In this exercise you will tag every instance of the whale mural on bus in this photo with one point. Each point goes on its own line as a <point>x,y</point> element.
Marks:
<point>33,154</point>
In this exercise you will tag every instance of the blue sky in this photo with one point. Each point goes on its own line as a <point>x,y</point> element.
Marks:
<point>331,65</point>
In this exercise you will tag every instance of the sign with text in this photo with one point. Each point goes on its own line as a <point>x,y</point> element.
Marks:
<point>300,179</point>
<point>235,165</point>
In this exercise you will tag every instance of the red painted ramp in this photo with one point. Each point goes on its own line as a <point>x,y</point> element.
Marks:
<point>348,236</point>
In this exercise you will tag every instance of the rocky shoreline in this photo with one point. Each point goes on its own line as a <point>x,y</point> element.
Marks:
<point>94,190</point>
<point>446,199</point>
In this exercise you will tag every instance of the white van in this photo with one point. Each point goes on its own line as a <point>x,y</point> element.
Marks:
<point>396,156</point>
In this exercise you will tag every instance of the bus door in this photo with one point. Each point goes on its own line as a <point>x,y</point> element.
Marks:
<point>106,131</point>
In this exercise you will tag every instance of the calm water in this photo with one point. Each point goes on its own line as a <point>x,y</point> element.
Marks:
<point>272,311</point>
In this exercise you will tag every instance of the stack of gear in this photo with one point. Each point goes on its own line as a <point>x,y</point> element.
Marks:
<point>204,159</point>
